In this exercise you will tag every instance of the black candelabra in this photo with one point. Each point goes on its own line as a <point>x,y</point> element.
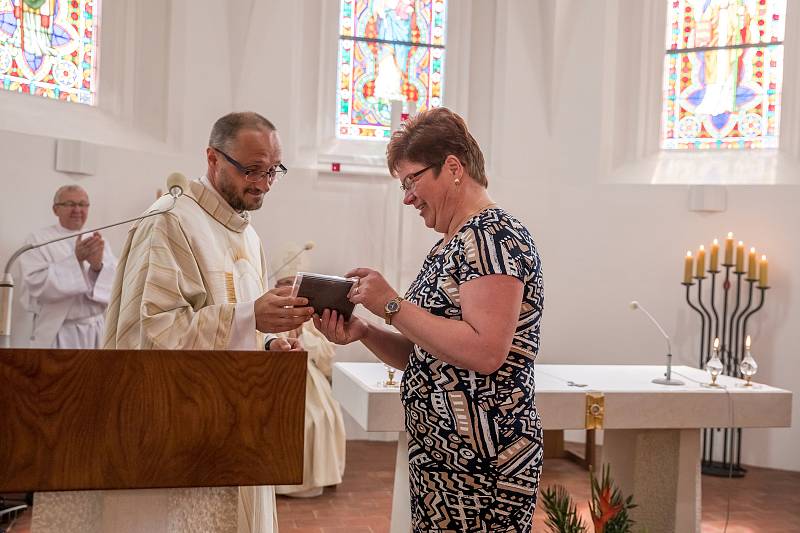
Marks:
<point>729,325</point>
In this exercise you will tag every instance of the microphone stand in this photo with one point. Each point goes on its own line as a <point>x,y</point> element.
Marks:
<point>667,379</point>
<point>305,248</point>
<point>7,283</point>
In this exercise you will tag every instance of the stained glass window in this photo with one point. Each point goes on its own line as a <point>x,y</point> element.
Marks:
<point>49,48</point>
<point>722,74</point>
<point>388,50</point>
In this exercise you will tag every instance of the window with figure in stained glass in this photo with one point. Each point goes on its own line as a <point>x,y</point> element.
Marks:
<point>722,74</point>
<point>388,50</point>
<point>49,48</point>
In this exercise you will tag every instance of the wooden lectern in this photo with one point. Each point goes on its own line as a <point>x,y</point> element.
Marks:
<point>135,419</point>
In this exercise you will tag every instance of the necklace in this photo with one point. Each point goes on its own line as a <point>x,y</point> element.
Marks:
<point>446,240</point>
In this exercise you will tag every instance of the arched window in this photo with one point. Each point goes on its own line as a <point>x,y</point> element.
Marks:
<point>722,74</point>
<point>49,48</point>
<point>388,50</point>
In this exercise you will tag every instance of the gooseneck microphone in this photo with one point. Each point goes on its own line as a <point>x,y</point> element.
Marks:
<point>308,246</point>
<point>667,379</point>
<point>176,185</point>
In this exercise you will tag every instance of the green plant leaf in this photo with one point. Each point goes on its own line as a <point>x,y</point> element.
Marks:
<point>561,511</point>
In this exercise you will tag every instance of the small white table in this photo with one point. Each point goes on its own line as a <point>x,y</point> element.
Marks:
<point>651,437</point>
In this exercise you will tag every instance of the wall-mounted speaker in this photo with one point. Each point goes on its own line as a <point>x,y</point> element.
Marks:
<point>708,198</point>
<point>76,157</point>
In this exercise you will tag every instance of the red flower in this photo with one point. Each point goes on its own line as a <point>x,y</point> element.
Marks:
<point>607,510</point>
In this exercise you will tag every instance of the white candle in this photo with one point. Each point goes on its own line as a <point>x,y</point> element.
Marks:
<point>700,271</point>
<point>687,268</point>
<point>729,249</point>
<point>762,272</point>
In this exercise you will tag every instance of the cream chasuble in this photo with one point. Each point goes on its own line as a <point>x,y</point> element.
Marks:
<point>182,279</point>
<point>181,276</point>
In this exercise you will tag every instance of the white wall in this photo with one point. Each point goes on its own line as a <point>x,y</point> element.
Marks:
<point>528,77</point>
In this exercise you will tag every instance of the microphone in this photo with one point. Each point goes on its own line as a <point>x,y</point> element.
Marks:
<point>176,185</point>
<point>308,246</point>
<point>667,380</point>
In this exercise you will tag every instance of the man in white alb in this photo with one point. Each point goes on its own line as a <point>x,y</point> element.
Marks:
<point>66,285</point>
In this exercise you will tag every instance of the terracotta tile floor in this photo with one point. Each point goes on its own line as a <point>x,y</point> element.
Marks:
<point>764,501</point>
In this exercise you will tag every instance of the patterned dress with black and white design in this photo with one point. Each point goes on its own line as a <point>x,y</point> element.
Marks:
<point>475,440</point>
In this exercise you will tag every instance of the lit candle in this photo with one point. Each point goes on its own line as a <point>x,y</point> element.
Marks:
<point>687,268</point>
<point>739,257</point>
<point>762,272</point>
<point>729,249</point>
<point>714,266</point>
<point>751,264</point>
<point>714,365</point>
<point>701,262</point>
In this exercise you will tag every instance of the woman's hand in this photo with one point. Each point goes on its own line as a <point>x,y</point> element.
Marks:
<point>372,290</point>
<point>337,330</point>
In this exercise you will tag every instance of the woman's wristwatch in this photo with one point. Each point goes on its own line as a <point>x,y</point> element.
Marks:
<point>391,308</point>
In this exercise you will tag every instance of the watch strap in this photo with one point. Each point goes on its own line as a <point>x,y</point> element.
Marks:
<point>388,315</point>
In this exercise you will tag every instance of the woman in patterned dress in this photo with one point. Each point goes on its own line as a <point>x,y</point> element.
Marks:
<point>467,334</point>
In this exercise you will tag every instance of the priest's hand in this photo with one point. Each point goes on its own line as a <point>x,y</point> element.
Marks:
<point>286,345</point>
<point>338,330</point>
<point>277,311</point>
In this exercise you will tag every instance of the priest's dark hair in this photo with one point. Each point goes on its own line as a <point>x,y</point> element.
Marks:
<point>226,128</point>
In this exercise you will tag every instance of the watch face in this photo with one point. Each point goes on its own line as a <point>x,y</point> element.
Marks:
<point>393,306</point>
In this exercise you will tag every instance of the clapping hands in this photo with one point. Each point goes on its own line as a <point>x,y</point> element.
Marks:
<point>90,250</point>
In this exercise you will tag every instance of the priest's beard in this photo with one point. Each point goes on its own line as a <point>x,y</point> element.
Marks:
<point>238,199</point>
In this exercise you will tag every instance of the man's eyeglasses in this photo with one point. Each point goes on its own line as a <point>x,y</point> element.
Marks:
<point>272,175</point>
<point>82,205</point>
<point>408,182</point>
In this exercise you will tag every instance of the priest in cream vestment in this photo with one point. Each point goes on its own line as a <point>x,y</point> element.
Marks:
<point>324,444</point>
<point>325,440</point>
<point>195,278</point>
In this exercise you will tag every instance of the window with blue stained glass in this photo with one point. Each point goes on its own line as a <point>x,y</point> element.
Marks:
<point>388,50</point>
<point>49,48</point>
<point>722,74</point>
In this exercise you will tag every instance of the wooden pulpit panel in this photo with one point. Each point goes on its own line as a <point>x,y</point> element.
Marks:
<point>114,419</point>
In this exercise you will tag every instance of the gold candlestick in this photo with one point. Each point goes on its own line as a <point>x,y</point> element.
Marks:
<point>390,372</point>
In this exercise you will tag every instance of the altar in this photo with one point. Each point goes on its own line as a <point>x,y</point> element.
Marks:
<point>651,432</point>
